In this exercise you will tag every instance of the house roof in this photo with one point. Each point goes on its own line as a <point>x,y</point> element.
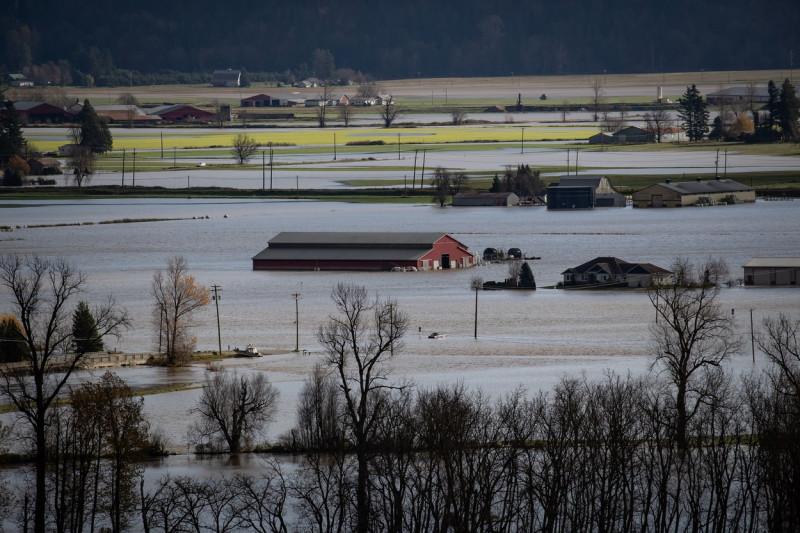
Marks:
<point>773,262</point>
<point>39,106</point>
<point>631,130</point>
<point>740,92</point>
<point>705,187</point>
<point>485,194</point>
<point>167,109</point>
<point>257,98</point>
<point>615,266</point>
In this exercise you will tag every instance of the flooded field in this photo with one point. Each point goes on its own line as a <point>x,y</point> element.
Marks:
<point>528,339</point>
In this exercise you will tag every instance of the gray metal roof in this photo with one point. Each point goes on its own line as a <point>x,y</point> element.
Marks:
<point>580,181</point>
<point>341,254</point>
<point>705,187</point>
<point>357,238</point>
<point>773,262</point>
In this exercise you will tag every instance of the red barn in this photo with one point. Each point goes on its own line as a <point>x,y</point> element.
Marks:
<point>182,113</point>
<point>362,251</point>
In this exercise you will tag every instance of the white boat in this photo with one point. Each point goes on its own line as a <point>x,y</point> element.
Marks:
<point>249,351</point>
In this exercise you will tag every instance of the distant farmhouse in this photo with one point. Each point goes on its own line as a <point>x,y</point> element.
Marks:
<point>629,135</point>
<point>181,113</point>
<point>41,113</point>
<point>772,271</point>
<point>583,192</point>
<point>363,251</point>
<point>688,193</point>
<point>738,95</point>
<point>613,273</point>
<point>226,78</point>
<point>495,199</point>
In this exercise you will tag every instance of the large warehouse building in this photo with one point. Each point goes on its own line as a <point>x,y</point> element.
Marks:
<point>362,251</point>
<point>699,192</point>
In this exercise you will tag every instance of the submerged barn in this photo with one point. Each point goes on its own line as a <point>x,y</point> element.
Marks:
<point>583,192</point>
<point>699,192</point>
<point>362,251</point>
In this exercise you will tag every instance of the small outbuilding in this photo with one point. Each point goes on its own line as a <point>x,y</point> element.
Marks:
<point>689,193</point>
<point>226,78</point>
<point>363,251</point>
<point>259,100</point>
<point>629,135</point>
<point>495,199</point>
<point>772,271</point>
<point>583,192</point>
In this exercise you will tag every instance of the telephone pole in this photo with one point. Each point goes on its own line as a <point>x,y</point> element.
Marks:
<point>297,321</point>
<point>217,296</point>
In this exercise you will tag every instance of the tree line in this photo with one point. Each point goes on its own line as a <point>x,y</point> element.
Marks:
<point>421,39</point>
<point>687,447</point>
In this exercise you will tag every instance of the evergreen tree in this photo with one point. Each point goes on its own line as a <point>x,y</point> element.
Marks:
<point>693,113</point>
<point>11,140</point>
<point>84,330</point>
<point>526,278</point>
<point>772,104</point>
<point>94,133</point>
<point>788,111</point>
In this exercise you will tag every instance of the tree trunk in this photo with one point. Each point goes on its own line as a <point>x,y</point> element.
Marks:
<point>362,498</point>
<point>40,502</point>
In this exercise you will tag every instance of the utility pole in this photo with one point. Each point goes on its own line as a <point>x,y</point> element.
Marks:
<point>134,167</point>
<point>752,337</point>
<point>414,178</point>
<point>162,144</point>
<point>422,174</point>
<point>297,320</point>
<point>398,147</point>
<point>217,297</point>
<point>567,161</point>
<point>123,167</point>
<point>522,141</point>
<point>270,166</point>
<point>716,165</point>
<point>576,161</point>
<point>263,170</point>
<point>334,146</point>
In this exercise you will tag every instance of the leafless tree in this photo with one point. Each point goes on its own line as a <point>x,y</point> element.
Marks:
<point>656,122</point>
<point>358,340</point>
<point>564,110</point>
<point>177,298</point>
<point>219,112</point>
<point>597,97</point>
<point>459,182</point>
<point>345,114</point>
<point>750,101</point>
<point>458,116</point>
<point>262,502</point>
<point>42,293</point>
<point>233,410</point>
<point>243,148</point>
<point>322,109</point>
<point>319,414</point>
<point>369,89</point>
<point>514,270</point>
<point>389,112</point>
<point>692,336</point>
<point>81,158</point>
<point>440,185</point>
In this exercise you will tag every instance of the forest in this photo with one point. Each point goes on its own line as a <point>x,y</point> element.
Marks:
<point>389,40</point>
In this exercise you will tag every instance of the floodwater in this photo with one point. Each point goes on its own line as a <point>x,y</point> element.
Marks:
<point>529,339</point>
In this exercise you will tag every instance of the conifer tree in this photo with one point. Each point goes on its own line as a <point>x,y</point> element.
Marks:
<point>11,140</point>
<point>789,111</point>
<point>84,330</point>
<point>526,278</point>
<point>693,113</point>
<point>94,133</point>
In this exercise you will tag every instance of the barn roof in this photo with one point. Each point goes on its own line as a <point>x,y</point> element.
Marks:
<point>356,238</point>
<point>705,187</point>
<point>773,262</point>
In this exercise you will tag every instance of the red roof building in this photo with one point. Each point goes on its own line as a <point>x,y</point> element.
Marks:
<point>182,113</point>
<point>259,100</point>
<point>362,251</point>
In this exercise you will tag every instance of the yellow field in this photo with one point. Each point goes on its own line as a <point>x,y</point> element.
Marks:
<point>325,137</point>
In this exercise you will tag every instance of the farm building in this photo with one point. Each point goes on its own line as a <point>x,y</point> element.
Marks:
<point>699,192</point>
<point>259,100</point>
<point>738,95</point>
<point>614,272</point>
<point>226,78</point>
<point>41,113</point>
<point>181,113</point>
<point>628,135</point>
<point>362,251</point>
<point>503,199</point>
<point>583,192</point>
<point>772,271</point>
